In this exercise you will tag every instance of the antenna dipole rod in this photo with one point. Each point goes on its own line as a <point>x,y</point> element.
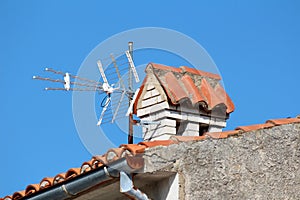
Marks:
<point>130,123</point>
<point>130,49</point>
<point>117,70</point>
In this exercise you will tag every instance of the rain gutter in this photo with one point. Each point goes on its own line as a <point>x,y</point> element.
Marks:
<point>81,183</point>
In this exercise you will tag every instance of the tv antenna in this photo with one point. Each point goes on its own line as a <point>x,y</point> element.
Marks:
<point>76,83</point>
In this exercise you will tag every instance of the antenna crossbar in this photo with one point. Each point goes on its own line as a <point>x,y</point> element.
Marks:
<point>97,86</point>
<point>72,76</point>
<point>48,79</point>
<point>75,89</point>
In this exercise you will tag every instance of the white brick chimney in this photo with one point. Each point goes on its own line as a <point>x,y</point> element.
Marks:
<point>181,101</point>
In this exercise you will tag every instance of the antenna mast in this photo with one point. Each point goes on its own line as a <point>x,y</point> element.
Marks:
<point>130,96</point>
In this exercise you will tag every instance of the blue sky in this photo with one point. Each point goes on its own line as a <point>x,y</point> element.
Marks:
<point>255,45</point>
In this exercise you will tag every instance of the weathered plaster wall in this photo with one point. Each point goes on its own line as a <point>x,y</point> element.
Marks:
<point>263,164</point>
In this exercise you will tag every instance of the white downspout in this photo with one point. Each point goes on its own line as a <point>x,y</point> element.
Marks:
<point>127,188</point>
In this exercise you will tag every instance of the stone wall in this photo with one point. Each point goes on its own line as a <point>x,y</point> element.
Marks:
<point>263,164</point>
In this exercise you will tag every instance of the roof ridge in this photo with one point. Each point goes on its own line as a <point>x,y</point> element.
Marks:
<point>185,69</point>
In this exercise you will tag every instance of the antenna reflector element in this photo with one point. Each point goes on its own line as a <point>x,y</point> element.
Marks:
<point>135,74</point>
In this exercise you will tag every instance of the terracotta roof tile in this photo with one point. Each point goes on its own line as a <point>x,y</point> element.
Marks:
<point>135,162</point>
<point>7,197</point>
<point>158,143</point>
<point>173,88</point>
<point>223,134</point>
<point>71,173</point>
<point>134,148</point>
<point>99,161</point>
<point>232,132</point>
<point>18,195</point>
<point>216,135</point>
<point>209,95</point>
<point>130,150</point>
<point>30,189</point>
<point>254,127</point>
<point>59,178</point>
<point>86,166</point>
<point>114,154</point>
<point>187,138</point>
<point>192,89</point>
<point>46,182</point>
<point>284,121</point>
<point>224,98</point>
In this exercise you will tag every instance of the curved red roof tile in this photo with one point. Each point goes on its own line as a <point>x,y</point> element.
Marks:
<point>18,195</point>
<point>254,127</point>
<point>224,98</point>
<point>30,189</point>
<point>46,182</point>
<point>71,173</point>
<point>99,161</point>
<point>158,143</point>
<point>114,154</point>
<point>232,132</point>
<point>209,95</point>
<point>216,135</point>
<point>173,88</point>
<point>59,178</point>
<point>192,89</point>
<point>284,121</point>
<point>134,148</point>
<point>86,166</point>
<point>7,198</point>
<point>187,138</point>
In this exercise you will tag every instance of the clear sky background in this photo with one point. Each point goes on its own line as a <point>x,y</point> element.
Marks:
<point>255,45</point>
